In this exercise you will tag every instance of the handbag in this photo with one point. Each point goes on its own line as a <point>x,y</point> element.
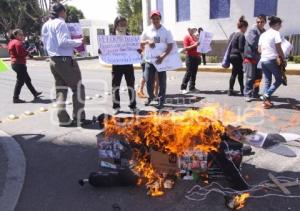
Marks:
<point>226,58</point>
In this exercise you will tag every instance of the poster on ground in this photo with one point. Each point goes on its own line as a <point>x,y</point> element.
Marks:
<point>76,33</point>
<point>205,40</point>
<point>119,49</point>
<point>171,62</point>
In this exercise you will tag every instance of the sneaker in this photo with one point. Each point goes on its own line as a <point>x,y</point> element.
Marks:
<point>116,111</point>
<point>17,100</point>
<point>248,99</point>
<point>141,94</point>
<point>184,91</point>
<point>38,94</point>
<point>148,102</point>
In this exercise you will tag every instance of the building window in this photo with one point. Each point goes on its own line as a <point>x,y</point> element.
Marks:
<point>266,7</point>
<point>183,10</point>
<point>100,31</point>
<point>219,9</point>
<point>160,7</point>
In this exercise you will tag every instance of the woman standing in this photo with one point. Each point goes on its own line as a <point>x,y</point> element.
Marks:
<point>237,40</point>
<point>272,57</point>
<point>18,56</point>
<point>120,28</point>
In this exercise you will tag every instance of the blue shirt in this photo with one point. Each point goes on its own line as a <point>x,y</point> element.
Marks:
<point>57,39</point>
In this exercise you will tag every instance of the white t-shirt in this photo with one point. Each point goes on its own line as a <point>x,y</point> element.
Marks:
<point>267,43</point>
<point>161,35</point>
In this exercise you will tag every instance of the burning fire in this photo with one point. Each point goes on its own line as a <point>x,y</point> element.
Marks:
<point>240,200</point>
<point>170,133</point>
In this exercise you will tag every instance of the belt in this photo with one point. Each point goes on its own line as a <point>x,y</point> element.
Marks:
<point>64,58</point>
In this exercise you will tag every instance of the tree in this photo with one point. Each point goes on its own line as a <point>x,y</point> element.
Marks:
<point>132,11</point>
<point>24,14</point>
<point>73,14</point>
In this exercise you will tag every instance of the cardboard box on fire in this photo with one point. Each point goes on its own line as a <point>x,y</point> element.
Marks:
<point>164,163</point>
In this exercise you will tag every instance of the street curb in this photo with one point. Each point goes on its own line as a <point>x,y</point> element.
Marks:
<point>208,69</point>
<point>15,175</point>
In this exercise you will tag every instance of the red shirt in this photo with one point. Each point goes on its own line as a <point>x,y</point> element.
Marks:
<point>17,52</point>
<point>188,41</point>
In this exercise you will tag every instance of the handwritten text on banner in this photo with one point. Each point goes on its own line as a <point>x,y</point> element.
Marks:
<point>119,50</point>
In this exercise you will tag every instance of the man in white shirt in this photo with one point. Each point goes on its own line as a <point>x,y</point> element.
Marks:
<point>59,45</point>
<point>154,34</point>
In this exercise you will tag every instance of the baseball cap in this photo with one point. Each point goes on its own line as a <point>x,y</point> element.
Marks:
<point>155,12</point>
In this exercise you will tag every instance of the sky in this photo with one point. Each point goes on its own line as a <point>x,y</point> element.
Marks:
<point>97,9</point>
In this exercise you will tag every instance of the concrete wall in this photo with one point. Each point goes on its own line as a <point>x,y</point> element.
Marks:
<point>288,10</point>
<point>93,25</point>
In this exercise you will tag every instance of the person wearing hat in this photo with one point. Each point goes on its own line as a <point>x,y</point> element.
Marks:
<point>156,33</point>
<point>192,60</point>
<point>59,45</point>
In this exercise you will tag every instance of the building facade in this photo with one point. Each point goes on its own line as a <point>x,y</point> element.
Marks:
<point>91,29</point>
<point>220,16</point>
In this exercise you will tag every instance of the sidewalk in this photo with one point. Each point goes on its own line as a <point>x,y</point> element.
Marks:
<point>12,171</point>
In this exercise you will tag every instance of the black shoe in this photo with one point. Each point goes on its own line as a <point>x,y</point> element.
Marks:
<point>116,111</point>
<point>148,102</point>
<point>230,92</point>
<point>159,106</point>
<point>83,122</point>
<point>247,150</point>
<point>69,124</point>
<point>38,94</point>
<point>17,100</point>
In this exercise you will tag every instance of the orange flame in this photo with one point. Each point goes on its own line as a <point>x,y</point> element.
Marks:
<point>240,200</point>
<point>173,133</point>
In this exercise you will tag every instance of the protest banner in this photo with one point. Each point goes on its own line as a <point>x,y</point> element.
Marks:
<point>3,66</point>
<point>119,49</point>
<point>205,40</point>
<point>171,62</point>
<point>76,33</point>
<point>286,47</point>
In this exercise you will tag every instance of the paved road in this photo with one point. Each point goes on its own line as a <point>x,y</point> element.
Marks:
<point>58,157</point>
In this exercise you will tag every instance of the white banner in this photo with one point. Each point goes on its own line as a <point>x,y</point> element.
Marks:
<point>119,49</point>
<point>205,41</point>
<point>287,47</point>
<point>171,62</point>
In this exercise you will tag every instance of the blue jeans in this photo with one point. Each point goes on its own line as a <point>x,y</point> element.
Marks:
<point>149,76</point>
<point>271,68</point>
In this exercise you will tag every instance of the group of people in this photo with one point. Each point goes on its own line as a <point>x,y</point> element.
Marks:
<point>255,54</point>
<point>247,50</point>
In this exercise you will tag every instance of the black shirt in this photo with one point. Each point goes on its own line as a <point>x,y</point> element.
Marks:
<point>237,44</point>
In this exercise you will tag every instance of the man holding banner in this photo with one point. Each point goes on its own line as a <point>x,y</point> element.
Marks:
<point>156,36</point>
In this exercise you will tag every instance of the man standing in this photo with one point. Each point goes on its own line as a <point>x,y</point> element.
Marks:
<point>192,60</point>
<point>65,69</point>
<point>253,74</point>
<point>156,34</point>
